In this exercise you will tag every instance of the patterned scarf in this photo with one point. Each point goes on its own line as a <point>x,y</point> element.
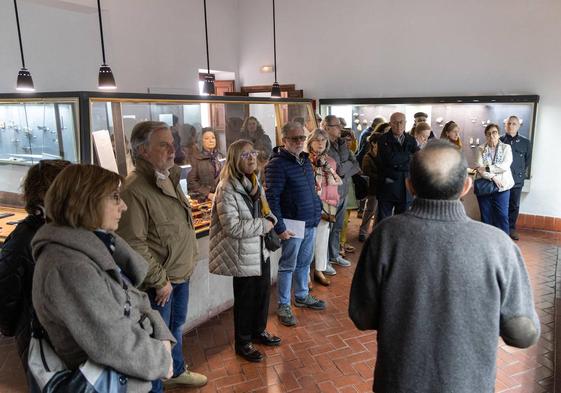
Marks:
<point>255,191</point>
<point>213,156</point>
<point>322,170</point>
<point>491,157</point>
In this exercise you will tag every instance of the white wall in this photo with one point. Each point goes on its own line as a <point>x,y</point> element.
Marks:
<point>330,48</point>
<point>382,48</point>
<point>149,43</point>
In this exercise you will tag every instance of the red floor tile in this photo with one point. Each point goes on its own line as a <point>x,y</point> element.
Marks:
<point>326,353</point>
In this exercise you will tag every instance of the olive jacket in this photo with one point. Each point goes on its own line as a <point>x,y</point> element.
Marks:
<point>158,225</point>
<point>80,300</point>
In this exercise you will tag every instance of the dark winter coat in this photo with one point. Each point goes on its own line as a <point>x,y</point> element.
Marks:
<point>291,189</point>
<point>16,278</point>
<point>521,157</point>
<point>204,177</point>
<point>393,166</point>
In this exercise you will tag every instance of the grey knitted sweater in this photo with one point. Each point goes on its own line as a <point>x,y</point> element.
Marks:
<point>440,288</point>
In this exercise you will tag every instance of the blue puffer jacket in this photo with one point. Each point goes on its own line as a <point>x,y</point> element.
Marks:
<point>291,190</point>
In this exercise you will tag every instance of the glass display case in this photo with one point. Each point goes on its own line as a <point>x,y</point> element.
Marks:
<point>472,114</point>
<point>96,127</point>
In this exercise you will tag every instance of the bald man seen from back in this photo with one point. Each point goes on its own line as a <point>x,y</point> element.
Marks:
<point>440,288</point>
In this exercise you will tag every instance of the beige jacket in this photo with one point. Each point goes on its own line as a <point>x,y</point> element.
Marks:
<point>158,225</point>
<point>79,298</point>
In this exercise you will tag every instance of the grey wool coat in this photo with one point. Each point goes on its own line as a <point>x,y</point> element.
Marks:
<point>79,298</point>
<point>235,236</point>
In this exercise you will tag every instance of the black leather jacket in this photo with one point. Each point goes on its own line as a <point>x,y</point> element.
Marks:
<point>521,156</point>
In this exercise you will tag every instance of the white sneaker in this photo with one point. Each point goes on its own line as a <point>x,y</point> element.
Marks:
<point>329,271</point>
<point>341,261</point>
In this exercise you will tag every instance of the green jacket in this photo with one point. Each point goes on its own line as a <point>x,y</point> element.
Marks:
<point>158,225</point>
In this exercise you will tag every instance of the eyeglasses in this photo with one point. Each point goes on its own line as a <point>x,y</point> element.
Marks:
<point>299,138</point>
<point>492,132</point>
<point>334,125</point>
<point>116,197</point>
<point>246,154</point>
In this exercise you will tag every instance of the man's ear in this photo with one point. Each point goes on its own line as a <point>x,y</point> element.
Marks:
<point>467,186</point>
<point>409,186</point>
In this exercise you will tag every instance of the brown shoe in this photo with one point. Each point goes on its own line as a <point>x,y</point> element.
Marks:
<point>320,277</point>
<point>349,248</point>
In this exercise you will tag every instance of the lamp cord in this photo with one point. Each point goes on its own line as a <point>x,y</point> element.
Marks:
<point>206,42</point>
<point>100,31</point>
<point>275,40</point>
<point>19,34</point>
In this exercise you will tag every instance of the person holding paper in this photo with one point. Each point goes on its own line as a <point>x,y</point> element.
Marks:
<point>291,192</point>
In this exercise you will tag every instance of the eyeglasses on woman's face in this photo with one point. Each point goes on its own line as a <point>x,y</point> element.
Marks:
<point>247,154</point>
<point>116,197</point>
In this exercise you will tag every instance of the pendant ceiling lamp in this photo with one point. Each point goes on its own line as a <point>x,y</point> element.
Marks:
<point>275,89</point>
<point>208,87</point>
<point>24,82</point>
<point>105,80</point>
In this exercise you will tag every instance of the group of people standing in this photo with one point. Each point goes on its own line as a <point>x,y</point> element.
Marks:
<point>113,262</point>
<point>387,150</point>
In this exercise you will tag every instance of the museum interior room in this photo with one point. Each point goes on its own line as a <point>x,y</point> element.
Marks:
<point>78,75</point>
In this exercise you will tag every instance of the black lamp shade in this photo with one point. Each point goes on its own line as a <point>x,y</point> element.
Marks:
<point>25,82</point>
<point>106,81</point>
<point>208,86</point>
<point>276,90</point>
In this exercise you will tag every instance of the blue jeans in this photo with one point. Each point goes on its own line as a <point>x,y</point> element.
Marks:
<point>174,314</point>
<point>294,264</point>
<point>494,209</point>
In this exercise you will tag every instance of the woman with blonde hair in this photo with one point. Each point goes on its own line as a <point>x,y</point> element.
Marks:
<point>84,287</point>
<point>327,182</point>
<point>240,219</point>
<point>451,133</point>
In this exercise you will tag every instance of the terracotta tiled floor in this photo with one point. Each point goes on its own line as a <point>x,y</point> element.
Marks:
<point>326,353</point>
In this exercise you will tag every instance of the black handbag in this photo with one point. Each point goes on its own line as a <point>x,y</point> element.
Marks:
<point>361,186</point>
<point>483,187</point>
<point>272,240</point>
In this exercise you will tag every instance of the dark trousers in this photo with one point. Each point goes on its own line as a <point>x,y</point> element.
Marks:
<point>514,207</point>
<point>251,304</point>
<point>388,208</point>
<point>494,209</point>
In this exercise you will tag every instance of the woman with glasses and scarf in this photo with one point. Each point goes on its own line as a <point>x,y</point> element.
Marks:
<point>84,287</point>
<point>493,164</point>
<point>206,166</point>
<point>240,219</point>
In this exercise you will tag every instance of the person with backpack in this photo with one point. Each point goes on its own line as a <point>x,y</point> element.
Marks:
<point>17,263</point>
